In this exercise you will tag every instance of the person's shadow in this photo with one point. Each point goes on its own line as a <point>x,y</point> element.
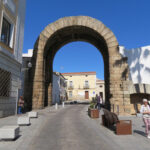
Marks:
<point>140,132</point>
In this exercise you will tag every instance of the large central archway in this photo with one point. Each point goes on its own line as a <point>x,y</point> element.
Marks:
<point>78,28</point>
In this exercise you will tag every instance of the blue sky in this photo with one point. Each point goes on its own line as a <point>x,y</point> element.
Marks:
<point>128,19</point>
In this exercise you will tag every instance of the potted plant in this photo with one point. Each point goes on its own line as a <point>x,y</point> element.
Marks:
<point>92,111</point>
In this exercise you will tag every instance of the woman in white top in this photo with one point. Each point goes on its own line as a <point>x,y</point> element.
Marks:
<point>145,110</point>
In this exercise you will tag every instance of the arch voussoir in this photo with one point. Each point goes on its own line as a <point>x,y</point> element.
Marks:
<point>112,44</point>
<point>111,39</point>
<point>100,28</point>
<point>105,31</point>
<point>109,35</point>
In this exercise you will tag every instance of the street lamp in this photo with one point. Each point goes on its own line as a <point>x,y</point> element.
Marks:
<point>29,64</point>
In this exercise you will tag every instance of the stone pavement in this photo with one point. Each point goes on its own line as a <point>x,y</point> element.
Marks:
<point>70,128</point>
<point>136,141</point>
<point>26,132</point>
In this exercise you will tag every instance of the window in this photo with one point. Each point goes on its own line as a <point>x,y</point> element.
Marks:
<point>5,33</point>
<point>101,86</point>
<point>5,78</point>
<point>86,83</point>
<point>70,93</point>
<point>70,83</point>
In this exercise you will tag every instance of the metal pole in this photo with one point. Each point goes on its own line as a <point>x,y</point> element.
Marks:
<point>63,104</point>
<point>56,106</point>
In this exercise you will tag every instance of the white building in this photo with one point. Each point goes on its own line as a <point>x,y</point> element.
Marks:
<point>12,16</point>
<point>138,60</point>
<point>58,88</point>
<point>139,63</point>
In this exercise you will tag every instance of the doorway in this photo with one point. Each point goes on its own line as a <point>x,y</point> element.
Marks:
<point>86,94</point>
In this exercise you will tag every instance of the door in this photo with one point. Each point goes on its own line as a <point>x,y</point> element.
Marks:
<point>86,94</point>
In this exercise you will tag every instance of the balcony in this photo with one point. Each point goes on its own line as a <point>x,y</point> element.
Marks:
<point>86,86</point>
<point>70,87</point>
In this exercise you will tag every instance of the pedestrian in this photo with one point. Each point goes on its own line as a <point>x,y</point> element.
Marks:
<point>98,100</point>
<point>20,105</point>
<point>149,102</point>
<point>145,111</point>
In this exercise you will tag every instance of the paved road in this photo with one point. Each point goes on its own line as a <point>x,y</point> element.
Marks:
<point>71,130</point>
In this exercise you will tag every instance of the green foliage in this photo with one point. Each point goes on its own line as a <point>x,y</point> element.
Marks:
<point>92,105</point>
<point>94,100</point>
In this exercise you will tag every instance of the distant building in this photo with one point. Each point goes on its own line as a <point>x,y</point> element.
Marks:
<point>25,73</point>
<point>58,88</point>
<point>100,88</point>
<point>12,16</point>
<point>81,85</point>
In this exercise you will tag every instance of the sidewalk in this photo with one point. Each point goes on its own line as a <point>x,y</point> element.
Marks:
<point>136,141</point>
<point>26,132</point>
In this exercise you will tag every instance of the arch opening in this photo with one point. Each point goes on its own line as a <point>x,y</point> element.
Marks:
<point>68,35</point>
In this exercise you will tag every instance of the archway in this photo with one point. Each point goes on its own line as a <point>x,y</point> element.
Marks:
<point>79,28</point>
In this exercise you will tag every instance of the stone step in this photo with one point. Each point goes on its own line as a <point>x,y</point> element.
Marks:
<point>9,132</point>
<point>23,121</point>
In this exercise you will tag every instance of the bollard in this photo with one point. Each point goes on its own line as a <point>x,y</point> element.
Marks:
<point>56,106</point>
<point>63,104</point>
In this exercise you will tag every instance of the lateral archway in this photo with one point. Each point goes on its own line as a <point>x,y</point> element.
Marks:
<point>78,28</point>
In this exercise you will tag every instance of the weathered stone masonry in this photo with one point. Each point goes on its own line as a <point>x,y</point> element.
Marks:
<point>79,28</point>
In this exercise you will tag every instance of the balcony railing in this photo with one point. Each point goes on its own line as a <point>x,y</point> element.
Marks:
<point>86,86</point>
<point>70,87</point>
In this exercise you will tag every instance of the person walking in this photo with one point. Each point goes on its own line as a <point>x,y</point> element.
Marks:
<point>98,99</point>
<point>20,105</point>
<point>145,111</point>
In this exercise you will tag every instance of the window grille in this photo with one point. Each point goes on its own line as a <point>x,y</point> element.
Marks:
<point>5,35</point>
<point>5,80</point>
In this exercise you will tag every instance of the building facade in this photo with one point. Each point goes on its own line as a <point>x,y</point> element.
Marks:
<point>81,85</point>
<point>12,16</point>
<point>58,88</point>
<point>100,88</point>
<point>138,60</point>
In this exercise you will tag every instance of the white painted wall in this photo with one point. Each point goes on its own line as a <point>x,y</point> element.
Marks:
<point>28,54</point>
<point>58,89</point>
<point>20,31</point>
<point>12,61</point>
<point>139,63</point>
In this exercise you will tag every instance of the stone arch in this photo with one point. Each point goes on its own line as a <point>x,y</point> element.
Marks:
<point>77,28</point>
